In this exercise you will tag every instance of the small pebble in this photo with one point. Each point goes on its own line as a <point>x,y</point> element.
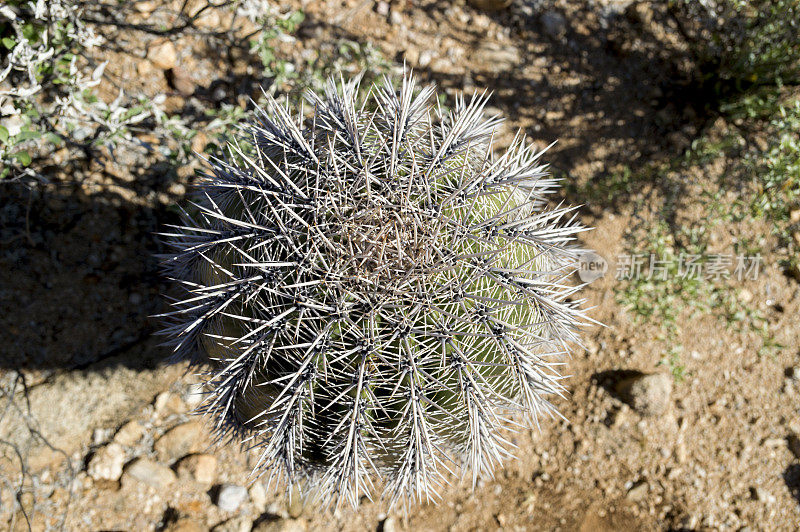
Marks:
<point>129,433</point>
<point>179,441</point>
<point>258,496</point>
<point>648,394</point>
<point>201,468</point>
<point>280,525</point>
<point>230,497</point>
<point>149,472</point>
<point>107,462</point>
<point>237,524</point>
<point>389,524</point>
<point>184,524</point>
<point>638,491</point>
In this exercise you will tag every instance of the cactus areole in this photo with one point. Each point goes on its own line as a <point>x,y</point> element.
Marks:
<point>377,296</point>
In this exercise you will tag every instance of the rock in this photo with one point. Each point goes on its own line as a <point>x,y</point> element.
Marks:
<point>13,124</point>
<point>554,24</point>
<point>425,58</point>
<point>794,216</point>
<point>280,525</point>
<point>389,525</point>
<point>496,57</point>
<point>146,7</point>
<point>258,496</point>
<point>107,462</point>
<point>201,468</point>
<point>237,524</point>
<point>382,8</point>
<point>129,433</point>
<point>490,5</point>
<point>638,491</point>
<point>100,436</point>
<point>180,80</point>
<point>648,394</point>
<point>793,442</point>
<point>230,497</point>
<point>163,55</point>
<point>793,373</point>
<point>185,524</point>
<point>761,495</point>
<point>199,143</point>
<point>144,68</point>
<point>179,441</point>
<point>210,19</point>
<point>149,472</point>
<point>167,403</point>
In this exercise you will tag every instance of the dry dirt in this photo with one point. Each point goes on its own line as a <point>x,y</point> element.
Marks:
<point>78,282</point>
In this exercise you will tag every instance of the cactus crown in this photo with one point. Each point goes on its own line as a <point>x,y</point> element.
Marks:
<point>376,294</point>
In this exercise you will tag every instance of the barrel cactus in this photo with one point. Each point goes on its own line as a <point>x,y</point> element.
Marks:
<point>377,297</point>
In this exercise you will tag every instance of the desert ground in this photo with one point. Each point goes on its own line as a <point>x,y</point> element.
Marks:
<point>97,430</point>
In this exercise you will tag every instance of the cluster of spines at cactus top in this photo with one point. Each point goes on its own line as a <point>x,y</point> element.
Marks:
<point>378,298</point>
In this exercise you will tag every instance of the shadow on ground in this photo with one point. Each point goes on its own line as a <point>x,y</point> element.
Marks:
<point>78,275</point>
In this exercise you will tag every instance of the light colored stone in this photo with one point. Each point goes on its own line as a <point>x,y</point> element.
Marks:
<point>258,496</point>
<point>201,468</point>
<point>389,524</point>
<point>638,491</point>
<point>179,441</point>
<point>163,55</point>
<point>107,462</point>
<point>237,524</point>
<point>145,7</point>
<point>129,433</point>
<point>185,524</point>
<point>761,495</point>
<point>167,403</point>
<point>648,394</point>
<point>425,58</point>
<point>280,525</point>
<point>149,472</point>
<point>210,19</point>
<point>498,58</point>
<point>230,497</point>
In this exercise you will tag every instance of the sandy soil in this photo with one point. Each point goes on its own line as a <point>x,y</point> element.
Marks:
<point>78,281</point>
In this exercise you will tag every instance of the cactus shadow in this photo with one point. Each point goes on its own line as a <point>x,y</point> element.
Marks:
<point>79,280</point>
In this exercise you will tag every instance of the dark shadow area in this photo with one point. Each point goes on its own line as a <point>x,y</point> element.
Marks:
<point>628,88</point>
<point>78,275</point>
<point>792,478</point>
<point>609,380</point>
